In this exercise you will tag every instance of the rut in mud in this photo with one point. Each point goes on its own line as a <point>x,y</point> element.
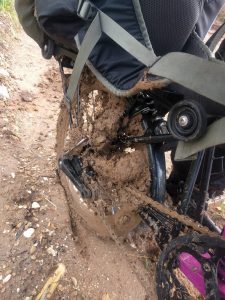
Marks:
<point>33,201</point>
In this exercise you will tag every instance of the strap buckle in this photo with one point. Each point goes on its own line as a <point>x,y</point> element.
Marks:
<point>86,10</point>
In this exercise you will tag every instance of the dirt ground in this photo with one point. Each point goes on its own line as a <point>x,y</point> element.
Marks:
<point>32,201</point>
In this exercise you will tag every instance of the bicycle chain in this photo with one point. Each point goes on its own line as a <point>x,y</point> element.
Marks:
<point>183,219</point>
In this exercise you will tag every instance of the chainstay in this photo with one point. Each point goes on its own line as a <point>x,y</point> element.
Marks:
<point>140,199</point>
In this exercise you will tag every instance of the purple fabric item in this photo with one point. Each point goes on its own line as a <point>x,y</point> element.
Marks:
<point>210,11</point>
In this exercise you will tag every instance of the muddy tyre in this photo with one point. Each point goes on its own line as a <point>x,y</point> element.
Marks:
<point>120,222</point>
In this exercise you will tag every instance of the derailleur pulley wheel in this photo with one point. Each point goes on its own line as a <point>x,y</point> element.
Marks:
<point>187,120</point>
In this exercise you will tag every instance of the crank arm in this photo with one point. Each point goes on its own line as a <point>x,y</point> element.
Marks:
<point>72,170</point>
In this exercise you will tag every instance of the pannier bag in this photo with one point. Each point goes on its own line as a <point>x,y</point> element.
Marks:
<point>26,13</point>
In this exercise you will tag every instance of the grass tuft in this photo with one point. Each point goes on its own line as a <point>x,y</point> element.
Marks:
<point>6,5</point>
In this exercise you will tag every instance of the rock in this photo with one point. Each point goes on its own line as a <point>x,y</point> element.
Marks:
<point>33,249</point>
<point>3,74</point>
<point>51,251</point>
<point>7,278</point>
<point>26,96</point>
<point>74,281</point>
<point>35,205</point>
<point>28,233</point>
<point>4,94</point>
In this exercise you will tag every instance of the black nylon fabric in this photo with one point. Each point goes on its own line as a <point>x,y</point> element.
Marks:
<point>195,46</point>
<point>116,65</point>
<point>170,22</point>
<point>59,20</point>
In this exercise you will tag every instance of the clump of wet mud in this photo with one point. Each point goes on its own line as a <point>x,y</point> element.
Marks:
<point>98,122</point>
<point>116,164</point>
<point>92,137</point>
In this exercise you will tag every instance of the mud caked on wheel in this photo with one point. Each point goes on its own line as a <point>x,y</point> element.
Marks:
<point>81,168</point>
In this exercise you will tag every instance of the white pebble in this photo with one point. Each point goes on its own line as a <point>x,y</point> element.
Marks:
<point>51,251</point>
<point>4,94</point>
<point>129,150</point>
<point>3,73</point>
<point>7,278</point>
<point>28,233</point>
<point>35,205</point>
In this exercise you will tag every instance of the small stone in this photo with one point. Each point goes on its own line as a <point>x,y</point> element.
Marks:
<point>7,278</point>
<point>60,288</point>
<point>3,74</point>
<point>26,96</point>
<point>51,251</point>
<point>33,249</point>
<point>28,225</point>
<point>28,233</point>
<point>4,94</point>
<point>74,281</point>
<point>129,150</point>
<point>35,205</point>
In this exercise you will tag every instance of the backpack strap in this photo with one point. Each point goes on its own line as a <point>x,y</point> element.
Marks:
<point>205,77</point>
<point>103,24</point>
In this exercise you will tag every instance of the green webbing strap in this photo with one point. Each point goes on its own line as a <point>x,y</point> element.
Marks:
<point>213,137</point>
<point>90,40</point>
<point>103,23</point>
<point>216,37</point>
<point>204,77</point>
<point>127,41</point>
